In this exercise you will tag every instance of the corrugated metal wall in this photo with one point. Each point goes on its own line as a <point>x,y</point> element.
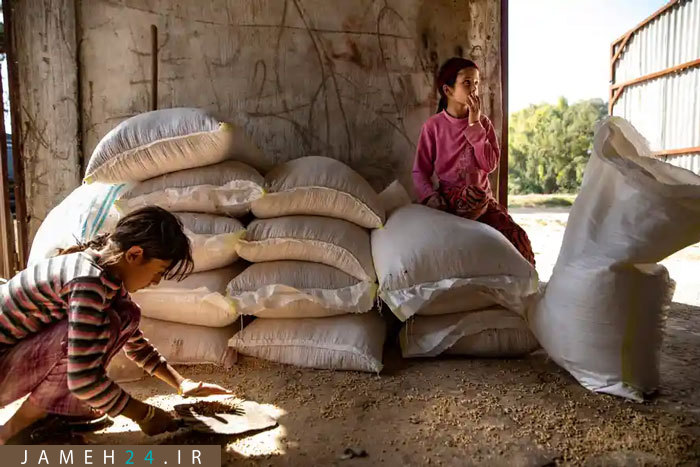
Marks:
<point>667,109</point>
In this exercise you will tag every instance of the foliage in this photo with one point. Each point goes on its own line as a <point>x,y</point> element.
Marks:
<point>549,145</point>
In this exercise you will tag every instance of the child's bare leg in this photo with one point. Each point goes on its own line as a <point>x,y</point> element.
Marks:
<point>27,414</point>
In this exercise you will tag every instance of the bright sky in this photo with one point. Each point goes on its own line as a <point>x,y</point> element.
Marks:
<point>562,47</point>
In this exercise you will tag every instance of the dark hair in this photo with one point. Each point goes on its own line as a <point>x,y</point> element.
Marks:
<point>447,75</point>
<point>159,233</point>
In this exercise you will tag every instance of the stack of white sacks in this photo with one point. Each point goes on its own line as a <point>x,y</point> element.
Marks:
<point>312,284</point>
<point>204,171</point>
<point>460,285</point>
<point>319,233</point>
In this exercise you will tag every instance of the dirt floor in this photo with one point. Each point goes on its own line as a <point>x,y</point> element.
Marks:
<point>525,412</point>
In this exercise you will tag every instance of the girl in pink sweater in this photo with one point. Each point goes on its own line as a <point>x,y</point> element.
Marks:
<point>458,144</point>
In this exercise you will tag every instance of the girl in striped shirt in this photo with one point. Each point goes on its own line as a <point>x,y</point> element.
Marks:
<point>62,320</point>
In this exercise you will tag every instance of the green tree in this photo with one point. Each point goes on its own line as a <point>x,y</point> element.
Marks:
<point>549,145</point>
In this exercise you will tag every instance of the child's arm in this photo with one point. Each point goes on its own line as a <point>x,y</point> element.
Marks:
<point>137,348</point>
<point>482,137</point>
<point>88,340</point>
<point>424,165</point>
<point>187,387</point>
<point>141,352</point>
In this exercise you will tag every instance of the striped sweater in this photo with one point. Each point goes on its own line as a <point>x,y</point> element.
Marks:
<point>76,288</point>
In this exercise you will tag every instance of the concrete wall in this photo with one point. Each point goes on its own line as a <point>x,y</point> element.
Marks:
<point>351,80</point>
<point>44,32</point>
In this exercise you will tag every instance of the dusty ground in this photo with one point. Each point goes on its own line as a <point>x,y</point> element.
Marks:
<point>459,411</point>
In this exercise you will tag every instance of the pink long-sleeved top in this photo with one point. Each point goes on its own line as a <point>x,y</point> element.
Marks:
<point>458,154</point>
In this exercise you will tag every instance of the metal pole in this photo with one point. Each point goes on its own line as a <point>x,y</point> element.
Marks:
<point>154,67</point>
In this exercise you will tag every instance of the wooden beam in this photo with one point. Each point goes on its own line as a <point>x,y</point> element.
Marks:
<point>8,8</point>
<point>503,164</point>
<point>48,124</point>
<point>7,242</point>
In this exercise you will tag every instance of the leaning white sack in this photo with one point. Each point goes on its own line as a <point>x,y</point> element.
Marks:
<point>154,143</point>
<point>320,186</point>
<point>225,188</point>
<point>86,212</point>
<point>394,197</point>
<point>333,242</point>
<point>601,316</point>
<point>200,299</point>
<point>484,333</point>
<point>347,342</point>
<point>430,262</point>
<point>180,344</point>
<point>213,239</point>
<point>298,289</point>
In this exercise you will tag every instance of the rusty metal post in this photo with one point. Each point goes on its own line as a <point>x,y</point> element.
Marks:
<point>503,165</point>
<point>154,67</point>
<point>82,163</point>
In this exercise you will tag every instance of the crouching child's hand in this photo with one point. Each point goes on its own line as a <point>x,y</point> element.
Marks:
<point>189,388</point>
<point>160,422</point>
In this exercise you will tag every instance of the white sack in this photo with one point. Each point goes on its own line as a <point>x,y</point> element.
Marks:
<point>89,210</point>
<point>213,239</point>
<point>162,141</point>
<point>180,344</point>
<point>297,289</point>
<point>320,186</point>
<point>431,262</point>
<point>601,316</point>
<point>200,299</point>
<point>225,188</point>
<point>348,342</point>
<point>485,333</point>
<point>86,212</point>
<point>393,197</point>
<point>333,242</point>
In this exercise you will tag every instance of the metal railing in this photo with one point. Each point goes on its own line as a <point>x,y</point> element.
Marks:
<point>618,47</point>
